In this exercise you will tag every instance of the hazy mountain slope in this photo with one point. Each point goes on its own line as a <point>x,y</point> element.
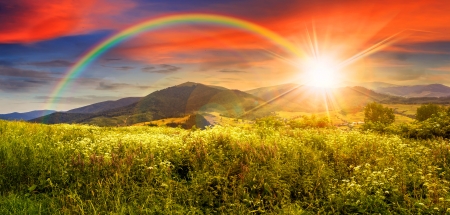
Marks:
<point>373,85</point>
<point>431,90</point>
<point>271,92</point>
<point>190,98</point>
<point>61,117</point>
<point>174,101</point>
<point>106,105</point>
<point>310,99</point>
<point>181,100</point>
<point>26,115</point>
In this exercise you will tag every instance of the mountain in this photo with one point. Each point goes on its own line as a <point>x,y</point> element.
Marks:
<point>106,105</point>
<point>431,90</point>
<point>268,93</point>
<point>373,85</point>
<point>176,101</point>
<point>26,115</point>
<point>190,84</point>
<point>292,97</point>
<point>194,98</point>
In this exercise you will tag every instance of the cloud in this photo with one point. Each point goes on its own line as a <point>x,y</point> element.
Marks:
<point>22,80</point>
<point>441,47</point>
<point>6,63</point>
<point>25,21</point>
<point>118,86</point>
<point>112,59</point>
<point>121,68</point>
<point>231,71</point>
<point>333,21</point>
<point>441,69</point>
<point>230,79</point>
<point>148,69</point>
<point>17,85</point>
<point>23,73</point>
<point>405,74</point>
<point>52,63</point>
<point>161,69</point>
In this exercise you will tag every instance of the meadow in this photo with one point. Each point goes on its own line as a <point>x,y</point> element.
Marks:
<point>262,168</point>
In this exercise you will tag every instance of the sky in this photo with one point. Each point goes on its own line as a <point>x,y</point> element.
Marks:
<point>399,42</point>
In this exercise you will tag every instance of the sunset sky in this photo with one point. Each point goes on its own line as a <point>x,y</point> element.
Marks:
<point>40,40</point>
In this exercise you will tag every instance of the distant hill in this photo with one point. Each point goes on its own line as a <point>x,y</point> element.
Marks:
<point>176,101</point>
<point>61,117</point>
<point>373,85</point>
<point>268,93</point>
<point>431,90</point>
<point>26,116</point>
<point>106,105</point>
<point>194,98</point>
<point>291,97</point>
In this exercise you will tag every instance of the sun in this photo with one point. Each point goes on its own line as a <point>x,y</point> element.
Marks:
<point>321,72</point>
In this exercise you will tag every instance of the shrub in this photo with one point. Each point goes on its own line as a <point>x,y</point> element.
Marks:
<point>377,113</point>
<point>270,121</point>
<point>310,122</point>
<point>425,111</point>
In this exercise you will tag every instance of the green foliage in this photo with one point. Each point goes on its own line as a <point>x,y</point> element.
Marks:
<point>425,111</point>
<point>310,122</point>
<point>438,125</point>
<point>377,113</point>
<point>194,121</point>
<point>375,126</point>
<point>435,126</point>
<point>270,121</point>
<point>275,122</point>
<point>77,169</point>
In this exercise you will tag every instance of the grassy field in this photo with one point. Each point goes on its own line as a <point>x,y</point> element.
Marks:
<point>163,121</point>
<point>78,169</point>
<point>213,118</point>
<point>337,117</point>
<point>410,109</point>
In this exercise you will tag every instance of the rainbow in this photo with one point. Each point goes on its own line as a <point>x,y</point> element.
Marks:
<point>169,20</point>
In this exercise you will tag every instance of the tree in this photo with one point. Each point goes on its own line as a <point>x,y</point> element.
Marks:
<point>424,112</point>
<point>377,113</point>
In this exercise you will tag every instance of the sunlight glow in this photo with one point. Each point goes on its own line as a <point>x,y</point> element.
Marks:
<point>321,72</point>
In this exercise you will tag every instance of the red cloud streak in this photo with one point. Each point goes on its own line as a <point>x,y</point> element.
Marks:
<point>25,21</point>
<point>344,27</point>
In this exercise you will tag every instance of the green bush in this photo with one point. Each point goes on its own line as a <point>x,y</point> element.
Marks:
<point>310,122</point>
<point>436,126</point>
<point>377,113</point>
<point>270,121</point>
<point>425,111</point>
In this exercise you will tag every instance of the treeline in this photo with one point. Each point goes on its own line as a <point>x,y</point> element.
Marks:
<point>431,121</point>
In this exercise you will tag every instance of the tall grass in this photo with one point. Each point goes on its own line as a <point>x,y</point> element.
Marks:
<point>78,169</point>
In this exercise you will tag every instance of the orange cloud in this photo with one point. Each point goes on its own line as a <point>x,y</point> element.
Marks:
<point>343,28</point>
<point>31,21</point>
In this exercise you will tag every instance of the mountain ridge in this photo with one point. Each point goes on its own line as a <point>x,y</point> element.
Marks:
<point>175,101</point>
<point>429,90</point>
<point>106,105</point>
<point>26,115</point>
